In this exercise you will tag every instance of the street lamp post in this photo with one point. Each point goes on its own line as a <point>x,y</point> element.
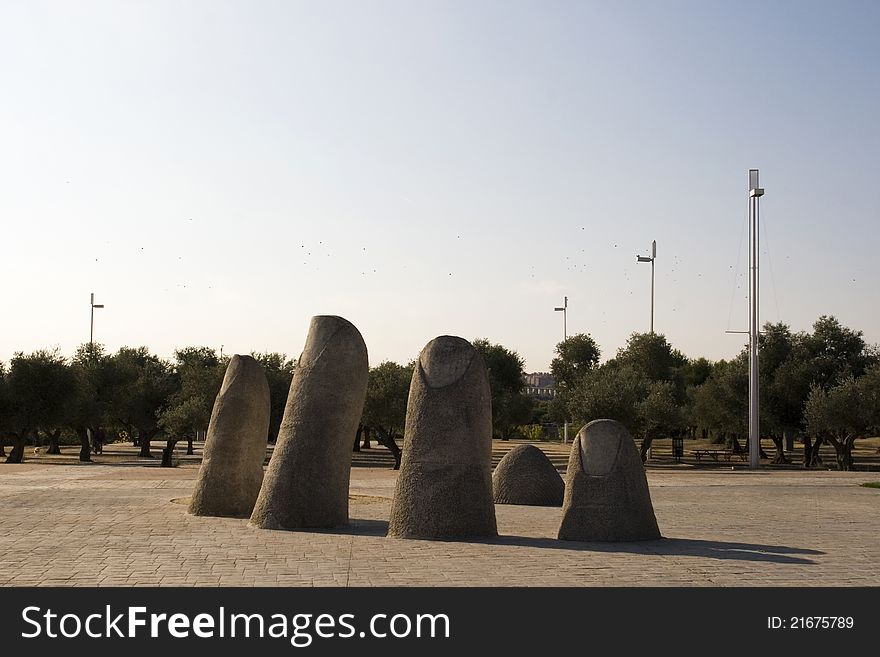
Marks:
<point>755,194</point>
<point>92,329</point>
<point>564,310</point>
<point>651,260</point>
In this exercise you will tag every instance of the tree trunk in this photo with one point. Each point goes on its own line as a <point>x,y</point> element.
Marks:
<point>735,447</point>
<point>387,440</point>
<point>189,447</point>
<point>17,453</point>
<point>2,442</point>
<point>808,451</point>
<point>646,445</point>
<point>780,457</point>
<point>85,449</point>
<point>54,447</point>
<point>366,443</point>
<point>357,438</point>
<point>168,454</point>
<point>843,450</point>
<point>845,457</point>
<point>816,457</point>
<point>144,438</point>
<point>788,436</point>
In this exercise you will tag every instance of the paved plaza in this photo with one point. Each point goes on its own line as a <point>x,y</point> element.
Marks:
<point>124,523</point>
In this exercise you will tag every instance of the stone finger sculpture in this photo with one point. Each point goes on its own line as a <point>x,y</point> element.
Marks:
<point>606,490</point>
<point>444,489</point>
<point>306,483</point>
<point>526,476</point>
<point>235,445</point>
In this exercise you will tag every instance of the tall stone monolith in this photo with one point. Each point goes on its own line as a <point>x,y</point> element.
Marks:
<point>526,476</point>
<point>444,489</point>
<point>235,445</point>
<point>606,490</point>
<point>306,483</point>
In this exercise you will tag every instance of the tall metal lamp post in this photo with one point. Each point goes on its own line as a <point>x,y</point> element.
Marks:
<point>651,260</point>
<point>92,329</point>
<point>755,194</point>
<point>564,310</point>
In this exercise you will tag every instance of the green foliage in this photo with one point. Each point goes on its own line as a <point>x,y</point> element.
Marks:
<point>39,392</point>
<point>696,372</point>
<point>200,374</point>
<point>845,412</point>
<point>837,410</point>
<point>387,395</point>
<point>279,373</point>
<point>542,411</point>
<point>6,409</point>
<point>850,408</point>
<point>510,406</point>
<point>145,384</point>
<point>826,382</point>
<point>869,396</point>
<point>651,355</point>
<point>659,412</point>
<point>837,352</point>
<point>532,432</point>
<point>792,365</point>
<point>575,357</point>
<point>720,405</point>
<point>96,383</point>
<point>611,392</point>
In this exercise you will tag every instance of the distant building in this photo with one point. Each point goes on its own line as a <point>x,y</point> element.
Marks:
<point>540,384</point>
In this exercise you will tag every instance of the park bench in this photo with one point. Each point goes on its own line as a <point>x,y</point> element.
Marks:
<point>714,454</point>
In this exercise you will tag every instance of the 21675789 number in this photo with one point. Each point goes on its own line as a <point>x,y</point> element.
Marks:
<point>810,623</point>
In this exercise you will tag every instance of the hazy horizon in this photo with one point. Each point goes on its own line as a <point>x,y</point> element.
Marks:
<point>218,172</point>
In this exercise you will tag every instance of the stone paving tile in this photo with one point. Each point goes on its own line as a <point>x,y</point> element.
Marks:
<point>126,526</point>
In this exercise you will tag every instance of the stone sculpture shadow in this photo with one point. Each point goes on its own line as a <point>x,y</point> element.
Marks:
<point>675,547</point>
<point>355,527</point>
<point>666,547</point>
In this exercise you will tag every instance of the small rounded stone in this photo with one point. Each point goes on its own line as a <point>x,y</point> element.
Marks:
<point>526,476</point>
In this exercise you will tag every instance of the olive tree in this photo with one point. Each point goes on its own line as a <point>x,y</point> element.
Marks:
<point>385,406</point>
<point>39,392</point>
<point>199,374</point>
<point>510,404</point>
<point>844,413</point>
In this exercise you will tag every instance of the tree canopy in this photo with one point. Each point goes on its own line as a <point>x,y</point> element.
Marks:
<point>821,385</point>
<point>510,405</point>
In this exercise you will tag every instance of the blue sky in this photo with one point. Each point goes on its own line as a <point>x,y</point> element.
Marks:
<point>219,172</point>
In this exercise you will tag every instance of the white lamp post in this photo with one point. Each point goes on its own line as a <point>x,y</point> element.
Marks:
<point>92,329</point>
<point>651,260</point>
<point>755,194</point>
<point>564,310</point>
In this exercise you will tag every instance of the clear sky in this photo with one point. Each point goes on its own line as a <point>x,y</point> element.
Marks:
<point>218,172</point>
